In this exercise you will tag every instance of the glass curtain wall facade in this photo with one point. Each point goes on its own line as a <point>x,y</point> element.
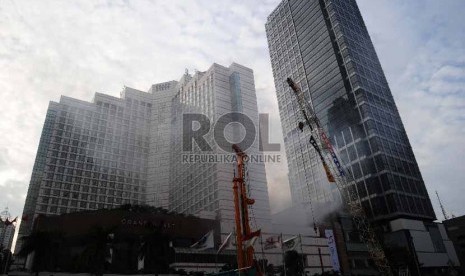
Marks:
<point>325,47</point>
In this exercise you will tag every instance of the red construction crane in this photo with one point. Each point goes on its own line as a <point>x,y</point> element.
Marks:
<point>241,207</point>
<point>337,174</point>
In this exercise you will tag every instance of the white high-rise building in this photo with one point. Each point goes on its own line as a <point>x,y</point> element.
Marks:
<point>113,151</point>
<point>160,135</point>
<point>7,231</point>
<point>207,186</point>
<point>6,235</point>
<point>91,155</point>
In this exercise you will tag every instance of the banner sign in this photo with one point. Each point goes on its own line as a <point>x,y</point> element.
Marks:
<point>332,250</point>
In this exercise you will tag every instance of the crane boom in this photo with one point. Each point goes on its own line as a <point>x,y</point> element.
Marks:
<point>344,181</point>
<point>442,207</point>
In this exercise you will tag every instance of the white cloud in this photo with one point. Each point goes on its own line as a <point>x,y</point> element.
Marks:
<point>50,48</point>
<point>449,79</point>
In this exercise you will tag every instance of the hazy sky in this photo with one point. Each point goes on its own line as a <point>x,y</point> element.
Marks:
<point>76,48</point>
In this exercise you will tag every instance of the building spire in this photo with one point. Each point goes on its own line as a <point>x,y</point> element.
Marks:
<point>5,214</point>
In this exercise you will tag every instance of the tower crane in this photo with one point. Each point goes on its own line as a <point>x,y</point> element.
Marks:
<point>344,181</point>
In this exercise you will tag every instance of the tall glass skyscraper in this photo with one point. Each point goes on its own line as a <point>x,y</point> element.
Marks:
<point>324,46</point>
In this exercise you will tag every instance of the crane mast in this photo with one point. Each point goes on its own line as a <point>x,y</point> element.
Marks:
<point>344,181</point>
<point>241,205</point>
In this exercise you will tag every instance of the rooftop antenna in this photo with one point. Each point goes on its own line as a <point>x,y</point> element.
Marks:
<point>446,217</point>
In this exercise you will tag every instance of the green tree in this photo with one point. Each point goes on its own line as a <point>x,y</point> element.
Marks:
<point>156,252</point>
<point>270,269</point>
<point>293,261</point>
<point>37,246</point>
<point>95,255</point>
